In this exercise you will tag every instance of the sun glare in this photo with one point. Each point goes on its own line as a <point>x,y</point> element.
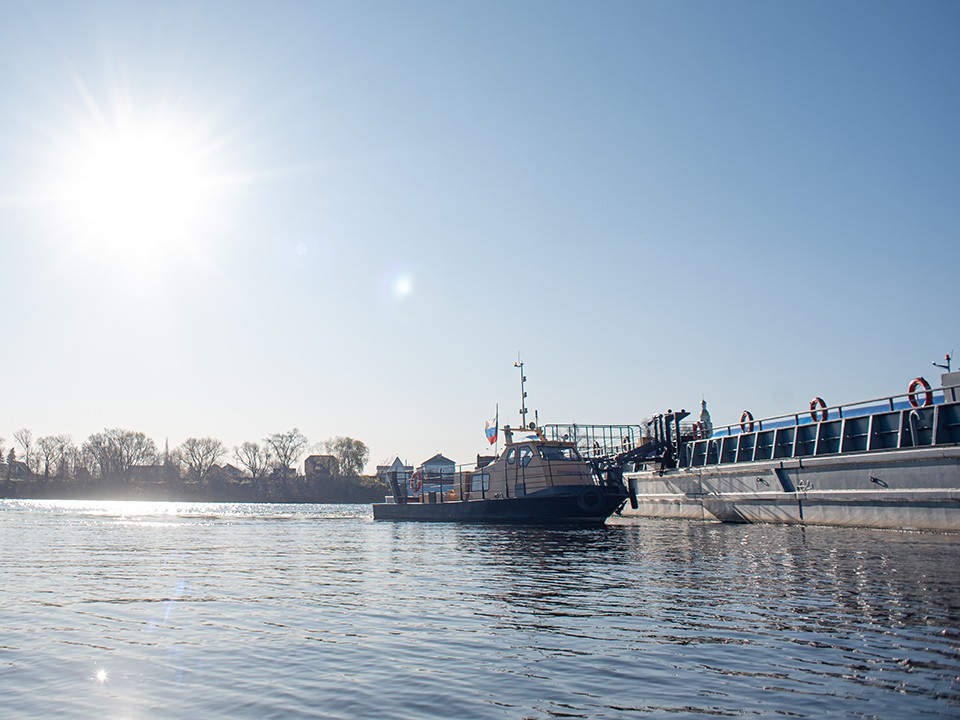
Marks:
<point>136,194</point>
<point>403,286</point>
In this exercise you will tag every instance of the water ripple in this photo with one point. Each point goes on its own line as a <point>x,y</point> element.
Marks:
<point>166,609</point>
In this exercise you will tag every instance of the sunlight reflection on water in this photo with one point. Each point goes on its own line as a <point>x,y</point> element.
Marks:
<point>169,609</point>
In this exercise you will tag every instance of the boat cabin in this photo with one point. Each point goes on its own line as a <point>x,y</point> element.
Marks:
<point>526,467</point>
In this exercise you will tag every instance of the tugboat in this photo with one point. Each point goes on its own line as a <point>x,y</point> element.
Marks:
<point>533,481</point>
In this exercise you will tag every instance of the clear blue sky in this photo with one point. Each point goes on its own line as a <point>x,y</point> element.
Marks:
<point>230,219</point>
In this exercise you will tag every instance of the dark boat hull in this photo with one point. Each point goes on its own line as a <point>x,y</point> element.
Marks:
<point>592,505</point>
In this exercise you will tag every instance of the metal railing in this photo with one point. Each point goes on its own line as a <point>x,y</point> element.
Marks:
<point>594,441</point>
<point>872,425</point>
<point>834,412</point>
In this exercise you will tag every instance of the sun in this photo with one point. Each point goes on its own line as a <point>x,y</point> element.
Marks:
<point>136,192</point>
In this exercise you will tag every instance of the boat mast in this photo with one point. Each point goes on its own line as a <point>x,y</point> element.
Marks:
<point>523,393</point>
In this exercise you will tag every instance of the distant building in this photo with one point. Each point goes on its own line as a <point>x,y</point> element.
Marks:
<point>438,473</point>
<point>154,474</point>
<point>224,474</point>
<point>439,464</point>
<point>402,470</point>
<point>16,470</point>
<point>283,473</point>
<point>233,470</point>
<point>706,424</point>
<point>321,466</point>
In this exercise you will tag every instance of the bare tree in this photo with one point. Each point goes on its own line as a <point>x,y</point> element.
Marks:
<point>24,437</point>
<point>175,459</point>
<point>255,458</point>
<point>351,454</point>
<point>47,453</point>
<point>201,454</point>
<point>53,454</point>
<point>286,447</point>
<point>76,463</point>
<point>114,452</point>
<point>98,455</point>
<point>133,448</point>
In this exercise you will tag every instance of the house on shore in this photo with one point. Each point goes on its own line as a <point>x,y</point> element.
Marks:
<point>438,473</point>
<point>399,467</point>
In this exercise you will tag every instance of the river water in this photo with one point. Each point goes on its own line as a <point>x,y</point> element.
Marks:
<point>158,610</point>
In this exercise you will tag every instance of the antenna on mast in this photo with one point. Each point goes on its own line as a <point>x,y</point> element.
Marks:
<point>946,360</point>
<point>523,393</point>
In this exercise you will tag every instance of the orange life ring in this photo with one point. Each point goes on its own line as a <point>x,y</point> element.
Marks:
<point>415,482</point>
<point>913,392</point>
<point>821,414</point>
<point>746,422</point>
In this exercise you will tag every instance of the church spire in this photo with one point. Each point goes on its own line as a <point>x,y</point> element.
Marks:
<point>705,422</point>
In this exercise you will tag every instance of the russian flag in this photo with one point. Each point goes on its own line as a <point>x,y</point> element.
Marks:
<point>491,430</point>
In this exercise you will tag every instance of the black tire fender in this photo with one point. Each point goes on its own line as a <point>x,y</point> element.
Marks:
<point>591,498</point>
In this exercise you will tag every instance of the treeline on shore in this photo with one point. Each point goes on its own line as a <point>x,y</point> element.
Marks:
<point>120,464</point>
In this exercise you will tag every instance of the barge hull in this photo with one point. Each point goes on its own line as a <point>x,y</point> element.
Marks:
<point>916,488</point>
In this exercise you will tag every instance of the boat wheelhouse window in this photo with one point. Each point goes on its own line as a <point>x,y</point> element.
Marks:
<point>479,482</point>
<point>554,452</point>
<point>526,455</point>
<point>511,456</point>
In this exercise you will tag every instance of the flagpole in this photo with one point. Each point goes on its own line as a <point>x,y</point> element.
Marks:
<point>496,424</point>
